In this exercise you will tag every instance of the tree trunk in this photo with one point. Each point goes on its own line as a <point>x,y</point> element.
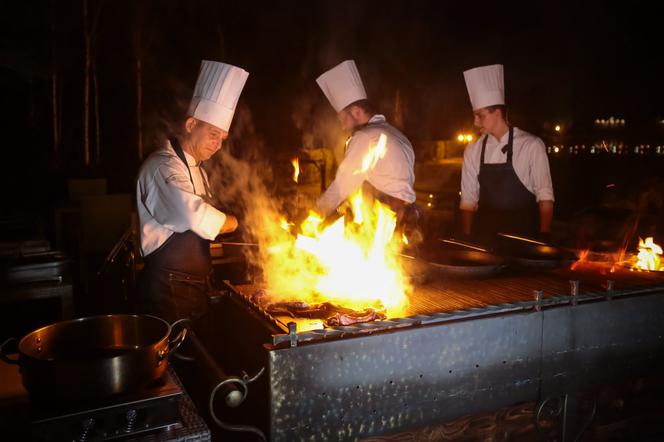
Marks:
<point>97,124</point>
<point>139,96</point>
<point>54,81</point>
<point>86,86</point>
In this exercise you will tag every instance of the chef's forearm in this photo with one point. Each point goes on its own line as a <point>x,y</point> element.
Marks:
<point>546,215</point>
<point>467,221</point>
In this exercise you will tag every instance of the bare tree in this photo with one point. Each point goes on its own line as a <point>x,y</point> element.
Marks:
<point>54,81</point>
<point>89,33</point>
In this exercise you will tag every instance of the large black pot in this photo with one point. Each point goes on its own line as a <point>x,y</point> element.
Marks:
<point>94,357</point>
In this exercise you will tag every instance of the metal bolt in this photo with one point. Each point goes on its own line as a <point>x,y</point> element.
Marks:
<point>131,416</point>
<point>574,291</point>
<point>292,332</point>
<point>610,286</point>
<point>538,300</point>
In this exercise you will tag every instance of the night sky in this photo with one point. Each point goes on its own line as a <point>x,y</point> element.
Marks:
<point>569,63</point>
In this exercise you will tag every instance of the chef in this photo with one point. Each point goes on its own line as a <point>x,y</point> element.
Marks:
<point>177,219</point>
<point>392,177</point>
<point>505,178</point>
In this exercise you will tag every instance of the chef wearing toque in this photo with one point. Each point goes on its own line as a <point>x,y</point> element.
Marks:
<point>392,177</point>
<point>177,219</point>
<point>505,180</point>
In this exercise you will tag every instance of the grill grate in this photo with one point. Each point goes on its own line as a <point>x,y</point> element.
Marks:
<point>443,296</point>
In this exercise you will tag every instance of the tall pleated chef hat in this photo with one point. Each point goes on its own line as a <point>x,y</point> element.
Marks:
<point>342,85</point>
<point>217,90</point>
<point>486,86</point>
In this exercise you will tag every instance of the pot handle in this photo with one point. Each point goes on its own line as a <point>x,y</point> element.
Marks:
<point>3,354</point>
<point>173,343</point>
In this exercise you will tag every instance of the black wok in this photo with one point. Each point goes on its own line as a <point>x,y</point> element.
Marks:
<point>531,253</point>
<point>462,263</point>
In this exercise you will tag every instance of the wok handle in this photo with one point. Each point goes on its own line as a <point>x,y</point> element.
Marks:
<point>173,344</point>
<point>3,354</point>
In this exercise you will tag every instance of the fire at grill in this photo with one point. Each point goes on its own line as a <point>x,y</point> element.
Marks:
<point>342,270</point>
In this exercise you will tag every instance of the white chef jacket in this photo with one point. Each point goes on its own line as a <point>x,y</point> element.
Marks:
<point>528,159</point>
<point>393,174</point>
<point>168,202</point>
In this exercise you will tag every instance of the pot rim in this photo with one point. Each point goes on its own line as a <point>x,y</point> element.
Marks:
<point>87,319</point>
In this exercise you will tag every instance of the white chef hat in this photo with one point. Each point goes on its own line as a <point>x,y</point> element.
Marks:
<point>486,86</point>
<point>342,85</point>
<point>216,93</point>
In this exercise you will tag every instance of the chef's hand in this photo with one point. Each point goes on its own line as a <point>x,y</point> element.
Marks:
<point>229,225</point>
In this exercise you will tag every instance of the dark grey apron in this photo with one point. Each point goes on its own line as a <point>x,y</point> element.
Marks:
<point>505,204</point>
<point>174,282</point>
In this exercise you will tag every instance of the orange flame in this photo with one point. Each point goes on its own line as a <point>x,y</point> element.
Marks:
<point>355,264</point>
<point>583,255</point>
<point>296,168</point>
<point>649,257</point>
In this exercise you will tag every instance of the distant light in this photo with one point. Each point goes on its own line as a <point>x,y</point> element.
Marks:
<point>428,204</point>
<point>556,150</point>
<point>460,138</point>
<point>431,195</point>
<point>557,128</point>
<point>469,138</point>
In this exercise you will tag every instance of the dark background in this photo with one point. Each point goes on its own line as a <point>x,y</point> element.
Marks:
<point>563,63</point>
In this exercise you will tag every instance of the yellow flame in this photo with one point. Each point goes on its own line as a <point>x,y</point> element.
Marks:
<point>355,265</point>
<point>649,255</point>
<point>376,152</point>
<point>285,224</point>
<point>296,168</point>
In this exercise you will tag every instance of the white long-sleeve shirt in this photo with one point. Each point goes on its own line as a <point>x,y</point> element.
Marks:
<point>168,202</point>
<point>393,174</point>
<point>528,158</point>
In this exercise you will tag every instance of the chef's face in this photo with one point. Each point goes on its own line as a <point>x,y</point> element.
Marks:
<point>205,139</point>
<point>486,120</point>
<point>346,119</point>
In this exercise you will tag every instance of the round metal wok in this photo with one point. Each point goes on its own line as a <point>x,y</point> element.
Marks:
<point>94,357</point>
<point>534,254</point>
<point>460,263</point>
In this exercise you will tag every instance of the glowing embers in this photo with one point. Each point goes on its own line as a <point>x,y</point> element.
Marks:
<point>649,256</point>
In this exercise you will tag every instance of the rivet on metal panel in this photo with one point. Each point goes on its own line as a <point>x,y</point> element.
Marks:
<point>574,291</point>
<point>538,300</point>
<point>610,286</point>
<point>292,333</point>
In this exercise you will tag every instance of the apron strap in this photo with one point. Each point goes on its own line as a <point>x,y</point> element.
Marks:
<point>180,153</point>
<point>506,148</point>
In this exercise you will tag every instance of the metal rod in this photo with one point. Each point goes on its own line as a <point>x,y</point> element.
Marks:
<point>462,244</point>
<point>230,243</point>
<point>521,238</point>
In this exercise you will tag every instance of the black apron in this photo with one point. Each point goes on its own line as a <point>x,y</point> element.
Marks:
<point>505,204</point>
<point>174,283</point>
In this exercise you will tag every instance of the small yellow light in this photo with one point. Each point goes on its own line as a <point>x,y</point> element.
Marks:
<point>556,150</point>
<point>469,138</point>
<point>557,128</point>
<point>460,138</point>
<point>428,204</point>
<point>431,195</point>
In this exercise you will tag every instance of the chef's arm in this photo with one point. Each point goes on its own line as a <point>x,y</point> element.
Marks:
<point>545,215</point>
<point>467,217</point>
<point>349,176</point>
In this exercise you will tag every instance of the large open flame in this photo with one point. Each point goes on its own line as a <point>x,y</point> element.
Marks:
<point>353,261</point>
<point>649,257</point>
